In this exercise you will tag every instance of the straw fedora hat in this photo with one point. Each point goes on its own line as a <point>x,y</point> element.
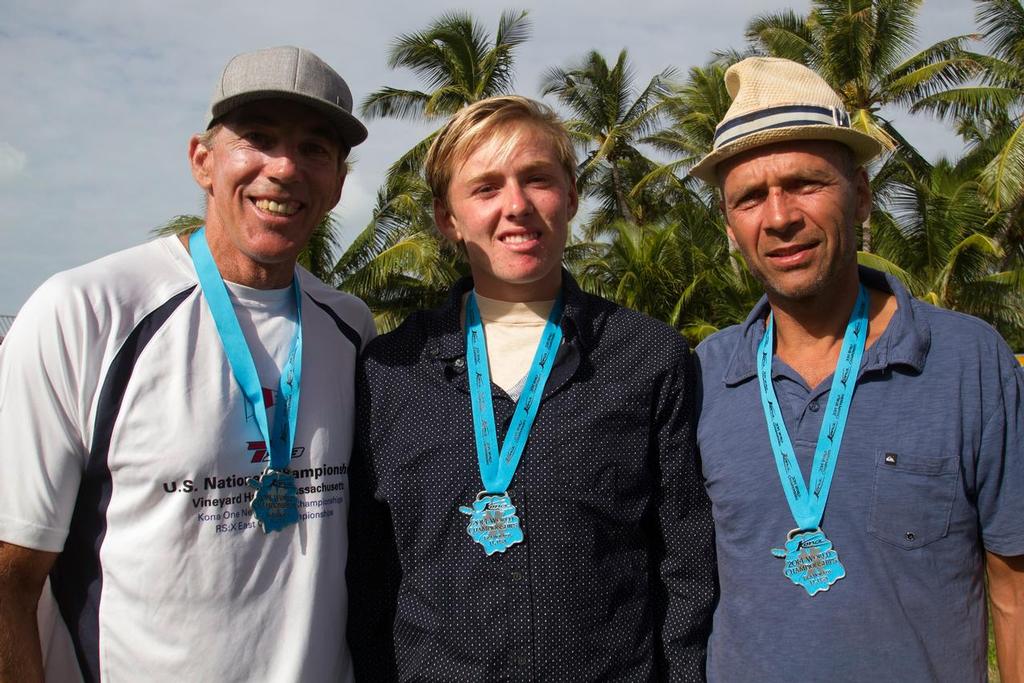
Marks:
<point>776,100</point>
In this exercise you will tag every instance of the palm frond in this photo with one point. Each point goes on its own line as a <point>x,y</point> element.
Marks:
<point>182,224</point>
<point>1002,22</point>
<point>969,101</point>
<point>1003,178</point>
<point>394,103</point>
<point>783,34</point>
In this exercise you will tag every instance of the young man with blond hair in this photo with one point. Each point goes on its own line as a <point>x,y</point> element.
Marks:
<point>526,498</point>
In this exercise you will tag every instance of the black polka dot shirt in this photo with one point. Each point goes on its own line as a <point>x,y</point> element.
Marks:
<point>615,578</point>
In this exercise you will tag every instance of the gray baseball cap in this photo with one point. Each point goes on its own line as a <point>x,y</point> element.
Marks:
<point>290,73</point>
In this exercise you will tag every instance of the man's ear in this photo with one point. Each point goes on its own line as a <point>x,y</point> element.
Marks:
<point>725,216</point>
<point>341,184</point>
<point>574,199</point>
<point>198,155</point>
<point>862,186</point>
<point>445,222</point>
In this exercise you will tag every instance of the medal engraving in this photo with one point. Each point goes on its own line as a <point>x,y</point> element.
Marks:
<point>493,522</point>
<point>811,561</point>
<point>275,504</point>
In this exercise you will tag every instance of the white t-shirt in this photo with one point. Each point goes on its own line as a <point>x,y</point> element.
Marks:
<point>512,332</point>
<point>126,447</point>
<point>267,320</point>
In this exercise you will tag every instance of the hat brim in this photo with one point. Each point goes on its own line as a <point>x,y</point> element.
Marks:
<point>864,147</point>
<point>351,130</point>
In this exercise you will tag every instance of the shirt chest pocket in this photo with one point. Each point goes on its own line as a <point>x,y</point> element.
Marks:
<point>912,498</point>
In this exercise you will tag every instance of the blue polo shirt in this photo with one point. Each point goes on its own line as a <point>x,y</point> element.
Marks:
<point>929,476</point>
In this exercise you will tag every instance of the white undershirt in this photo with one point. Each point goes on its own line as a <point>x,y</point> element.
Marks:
<point>267,319</point>
<point>512,331</point>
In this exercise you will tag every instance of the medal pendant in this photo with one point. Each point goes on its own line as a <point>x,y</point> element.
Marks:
<point>811,562</point>
<point>275,503</point>
<point>493,522</point>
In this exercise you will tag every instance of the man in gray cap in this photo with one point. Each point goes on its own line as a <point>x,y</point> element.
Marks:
<point>863,450</point>
<point>158,464</point>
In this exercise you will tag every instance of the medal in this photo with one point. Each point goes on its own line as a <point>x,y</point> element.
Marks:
<point>493,522</point>
<point>810,560</point>
<point>275,504</point>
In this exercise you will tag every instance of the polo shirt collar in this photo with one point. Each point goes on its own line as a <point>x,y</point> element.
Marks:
<point>905,341</point>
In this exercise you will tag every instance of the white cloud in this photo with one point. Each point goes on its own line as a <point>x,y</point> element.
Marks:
<point>103,96</point>
<point>12,161</point>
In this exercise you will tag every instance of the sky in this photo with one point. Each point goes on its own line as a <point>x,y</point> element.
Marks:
<point>101,97</point>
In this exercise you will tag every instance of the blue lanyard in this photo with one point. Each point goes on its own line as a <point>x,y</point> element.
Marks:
<point>286,409</point>
<point>807,508</point>
<point>497,469</point>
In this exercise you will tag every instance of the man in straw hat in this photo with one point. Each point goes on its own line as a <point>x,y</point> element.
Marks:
<point>526,501</point>
<point>863,450</point>
<point>158,464</point>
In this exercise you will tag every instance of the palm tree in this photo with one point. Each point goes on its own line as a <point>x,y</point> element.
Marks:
<point>679,270</point>
<point>720,289</point>
<point>937,237</point>
<point>459,64</point>
<point>990,115</point>
<point>455,57</point>
<point>862,49</point>
<point>641,268</point>
<point>608,118</point>
<point>398,264</point>
<point>693,110</point>
<point>987,138</point>
<point>317,256</point>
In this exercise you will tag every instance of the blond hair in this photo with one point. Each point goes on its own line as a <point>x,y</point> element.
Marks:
<point>464,131</point>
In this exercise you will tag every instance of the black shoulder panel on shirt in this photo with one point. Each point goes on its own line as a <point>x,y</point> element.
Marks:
<point>343,326</point>
<point>76,577</point>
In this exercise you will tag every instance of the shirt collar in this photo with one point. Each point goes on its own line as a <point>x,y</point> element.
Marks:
<point>905,341</point>
<point>451,341</point>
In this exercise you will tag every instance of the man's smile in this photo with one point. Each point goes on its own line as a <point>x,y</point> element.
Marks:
<point>519,237</point>
<point>280,208</point>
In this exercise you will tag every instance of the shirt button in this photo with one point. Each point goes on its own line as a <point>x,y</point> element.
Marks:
<point>460,364</point>
<point>517,575</point>
<point>910,535</point>
<point>522,660</point>
<point>813,407</point>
